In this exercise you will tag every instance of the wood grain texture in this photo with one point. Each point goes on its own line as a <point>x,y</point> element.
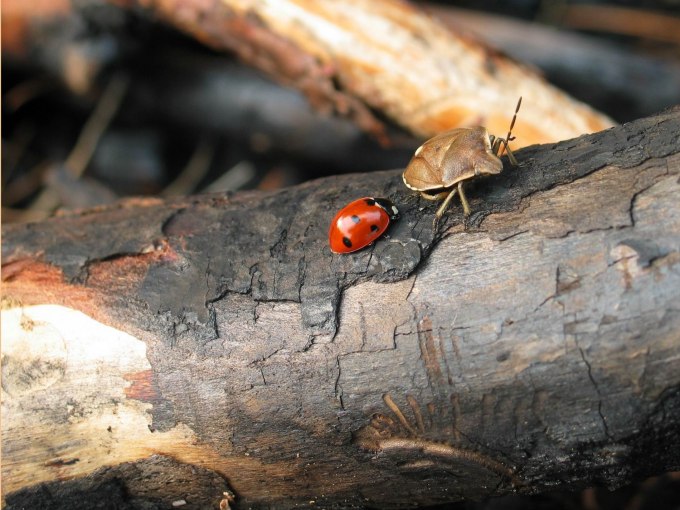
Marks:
<point>361,56</point>
<point>536,346</point>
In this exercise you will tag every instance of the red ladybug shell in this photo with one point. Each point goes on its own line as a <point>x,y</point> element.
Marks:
<point>360,223</point>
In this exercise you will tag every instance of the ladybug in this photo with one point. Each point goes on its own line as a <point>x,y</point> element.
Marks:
<point>441,165</point>
<point>360,223</point>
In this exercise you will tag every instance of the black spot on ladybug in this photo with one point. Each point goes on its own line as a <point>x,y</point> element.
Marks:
<point>347,242</point>
<point>374,228</point>
<point>370,201</point>
<point>355,218</point>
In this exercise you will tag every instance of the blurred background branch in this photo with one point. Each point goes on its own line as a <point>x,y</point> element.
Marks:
<point>59,57</point>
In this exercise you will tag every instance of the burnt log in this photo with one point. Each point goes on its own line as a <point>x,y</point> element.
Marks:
<point>533,345</point>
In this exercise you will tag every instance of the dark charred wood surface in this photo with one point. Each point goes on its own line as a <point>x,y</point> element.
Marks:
<point>535,345</point>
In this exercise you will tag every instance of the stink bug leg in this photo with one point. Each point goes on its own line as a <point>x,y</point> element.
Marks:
<point>447,201</point>
<point>505,141</point>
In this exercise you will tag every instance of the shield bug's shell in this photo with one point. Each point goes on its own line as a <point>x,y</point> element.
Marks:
<point>360,223</point>
<point>441,165</point>
<point>451,157</point>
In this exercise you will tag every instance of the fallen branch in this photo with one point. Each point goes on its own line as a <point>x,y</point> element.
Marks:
<point>534,346</point>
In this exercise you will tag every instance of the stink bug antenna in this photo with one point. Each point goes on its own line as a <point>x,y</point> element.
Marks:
<point>512,125</point>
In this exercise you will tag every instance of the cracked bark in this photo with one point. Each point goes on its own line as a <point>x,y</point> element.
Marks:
<point>535,346</point>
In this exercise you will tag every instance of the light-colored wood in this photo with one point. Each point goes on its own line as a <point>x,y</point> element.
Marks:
<point>388,55</point>
<point>75,399</point>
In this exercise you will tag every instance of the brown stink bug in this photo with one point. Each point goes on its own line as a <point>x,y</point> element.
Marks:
<point>441,165</point>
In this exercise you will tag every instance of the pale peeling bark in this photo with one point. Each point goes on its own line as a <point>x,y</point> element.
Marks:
<point>536,346</point>
<point>386,55</point>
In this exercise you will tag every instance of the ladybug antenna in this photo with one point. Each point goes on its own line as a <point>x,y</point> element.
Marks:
<point>512,125</point>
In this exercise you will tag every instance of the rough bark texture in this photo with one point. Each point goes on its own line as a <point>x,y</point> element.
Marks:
<point>535,345</point>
